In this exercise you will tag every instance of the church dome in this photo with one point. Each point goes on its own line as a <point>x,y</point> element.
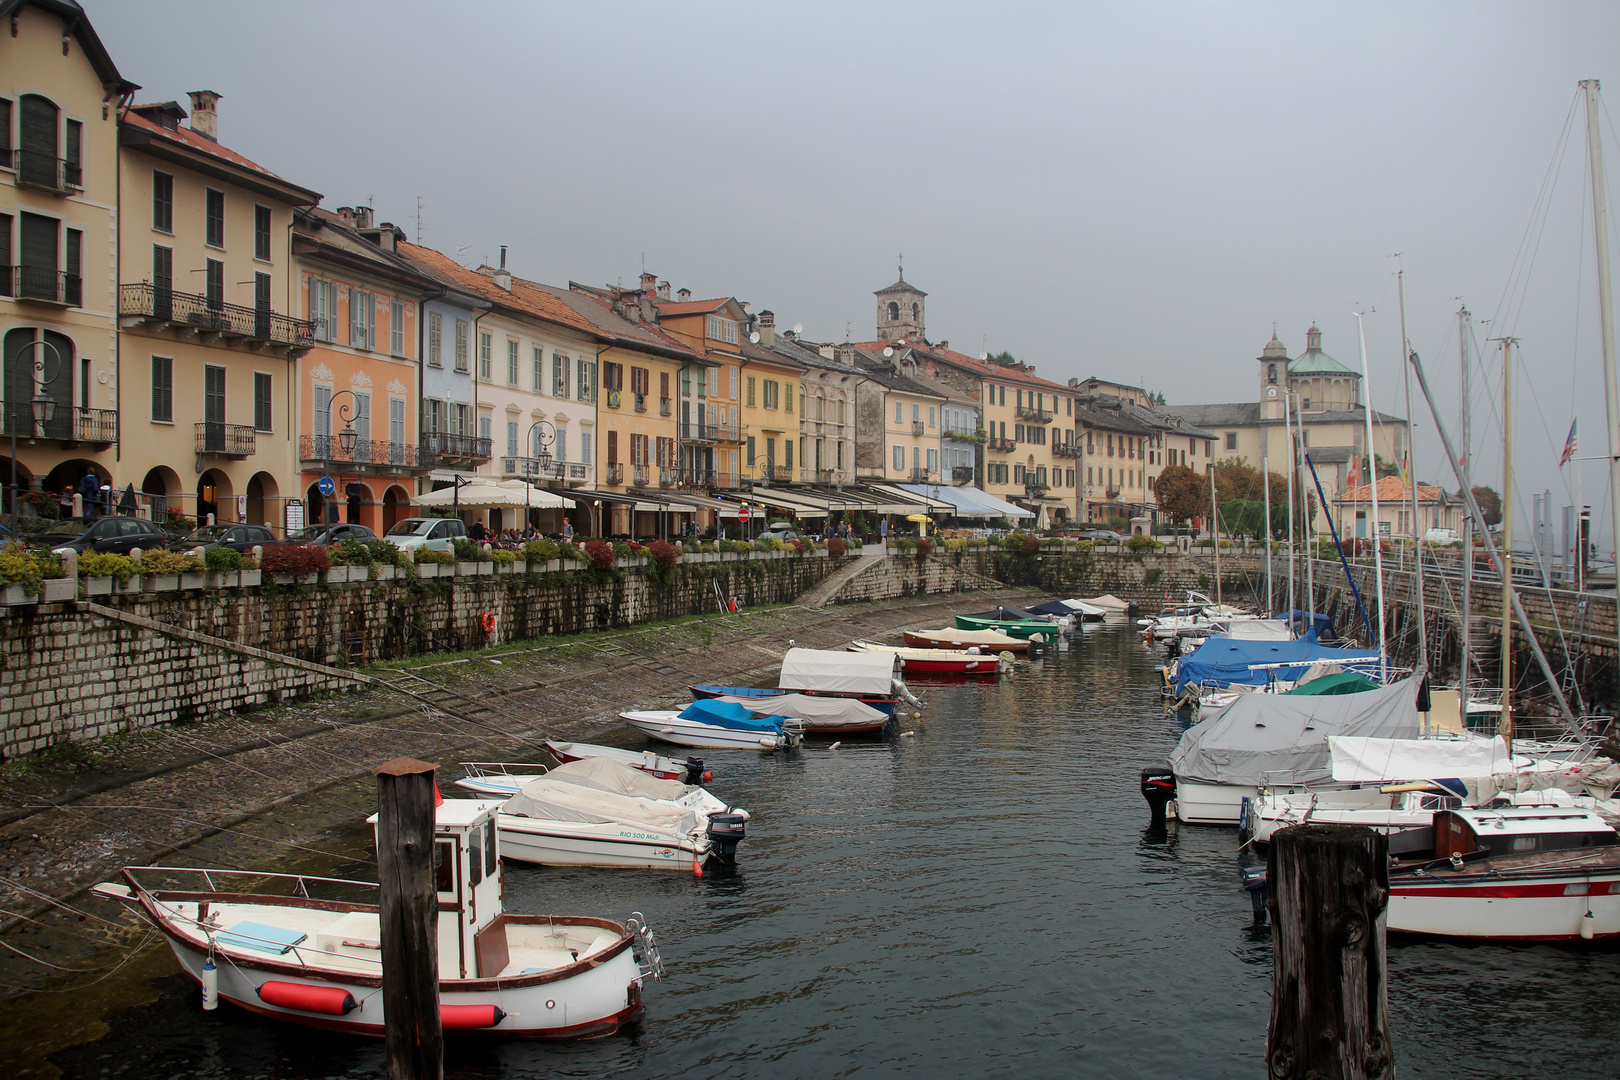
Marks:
<point>1274,349</point>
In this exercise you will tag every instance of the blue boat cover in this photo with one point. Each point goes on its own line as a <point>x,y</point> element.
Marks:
<point>734,691</point>
<point>1012,614</point>
<point>1051,607</point>
<point>1223,661</point>
<point>1321,622</point>
<point>728,714</point>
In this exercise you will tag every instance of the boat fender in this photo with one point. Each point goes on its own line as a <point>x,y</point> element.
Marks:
<point>333,1000</point>
<point>210,985</point>
<point>697,867</point>
<point>907,734</point>
<point>488,622</point>
<point>1588,926</point>
<point>836,744</point>
<point>454,1017</point>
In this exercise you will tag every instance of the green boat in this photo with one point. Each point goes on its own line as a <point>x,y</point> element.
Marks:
<point>1018,628</point>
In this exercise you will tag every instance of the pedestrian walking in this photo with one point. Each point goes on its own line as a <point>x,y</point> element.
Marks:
<point>90,492</point>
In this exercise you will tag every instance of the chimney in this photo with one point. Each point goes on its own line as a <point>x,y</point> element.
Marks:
<point>649,283</point>
<point>788,335</point>
<point>663,290</point>
<point>386,235</point>
<point>767,328</point>
<point>205,113</point>
<point>503,276</point>
<point>684,294</point>
<point>362,217</point>
<point>346,214</point>
<point>943,345</point>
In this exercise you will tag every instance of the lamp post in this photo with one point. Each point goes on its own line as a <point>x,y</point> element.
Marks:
<point>542,458</point>
<point>348,438</point>
<point>42,411</point>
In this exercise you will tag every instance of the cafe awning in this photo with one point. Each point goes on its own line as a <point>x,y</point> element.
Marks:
<point>970,502</point>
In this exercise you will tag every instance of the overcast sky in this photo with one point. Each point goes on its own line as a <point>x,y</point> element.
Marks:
<point>1125,190</point>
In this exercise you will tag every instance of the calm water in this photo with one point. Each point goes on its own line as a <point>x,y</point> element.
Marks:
<point>979,900</point>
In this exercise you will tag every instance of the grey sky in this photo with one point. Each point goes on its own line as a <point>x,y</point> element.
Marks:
<point>1132,191</point>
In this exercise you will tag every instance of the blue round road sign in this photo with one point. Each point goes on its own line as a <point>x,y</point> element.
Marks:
<point>325,485</point>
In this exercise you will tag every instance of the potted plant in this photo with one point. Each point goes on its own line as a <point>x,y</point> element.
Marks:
<point>300,563</point>
<point>100,573</point>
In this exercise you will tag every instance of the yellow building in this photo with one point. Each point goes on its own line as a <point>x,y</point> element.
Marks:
<point>772,402</point>
<point>709,396</point>
<point>898,420</point>
<point>59,94</point>
<point>209,349</point>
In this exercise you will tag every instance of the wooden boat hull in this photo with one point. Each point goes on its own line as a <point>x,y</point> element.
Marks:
<point>943,640</point>
<point>881,704</point>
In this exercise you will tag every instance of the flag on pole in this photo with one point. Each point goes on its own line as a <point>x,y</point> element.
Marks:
<point>1571,444</point>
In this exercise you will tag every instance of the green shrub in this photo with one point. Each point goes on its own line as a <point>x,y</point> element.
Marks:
<point>904,543</point>
<point>540,551</point>
<point>1083,546</point>
<point>575,552</point>
<point>466,550</point>
<point>385,554</point>
<point>503,557</point>
<point>1142,543</point>
<point>954,543</point>
<point>622,550</point>
<point>763,544</point>
<point>350,553</point>
<point>218,559</point>
<point>708,548</point>
<point>19,566</point>
<point>428,555</point>
<point>103,564</point>
<point>170,562</point>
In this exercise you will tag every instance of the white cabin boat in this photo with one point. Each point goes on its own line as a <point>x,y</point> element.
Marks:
<point>310,953</point>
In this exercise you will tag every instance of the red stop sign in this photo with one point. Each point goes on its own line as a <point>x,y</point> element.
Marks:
<point>743,513</point>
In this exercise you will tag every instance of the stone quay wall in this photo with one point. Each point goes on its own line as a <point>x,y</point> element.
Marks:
<point>84,668</point>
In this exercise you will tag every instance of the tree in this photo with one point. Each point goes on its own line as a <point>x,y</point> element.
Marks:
<point>1182,493</point>
<point>1156,398</point>
<point>1490,504</point>
<point>1003,359</point>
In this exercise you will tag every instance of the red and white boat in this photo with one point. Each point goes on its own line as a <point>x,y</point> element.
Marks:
<point>1532,873</point>
<point>309,956</point>
<point>937,661</point>
<point>952,639</point>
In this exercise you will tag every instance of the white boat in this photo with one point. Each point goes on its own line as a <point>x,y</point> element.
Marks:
<point>597,812</point>
<point>939,661</point>
<point>698,725</point>
<point>1512,874</point>
<point>688,770</point>
<point>819,715</point>
<point>307,955</point>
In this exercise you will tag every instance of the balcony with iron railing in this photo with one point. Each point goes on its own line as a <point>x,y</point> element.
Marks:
<point>639,475</point>
<point>1067,450</point>
<point>921,476</point>
<point>917,427</point>
<point>46,284</point>
<point>66,424</point>
<point>1003,446</point>
<point>160,308</point>
<point>444,448</point>
<point>641,403</point>
<point>668,477</point>
<point>818,476</point>
<point>664,405</point>
<point>710,433</point>
<point>707,478</point>
<point>962,474</point>
<point>225,440</point>
<point>1029,412</point>
<point>614,473</point>
<point>964,434</point>
<point>46,172</point>
<point>380,456</point>
<point>779,474</point>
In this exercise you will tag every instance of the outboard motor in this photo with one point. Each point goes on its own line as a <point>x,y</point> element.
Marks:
<point>1254,880</point>
<point>1158,788</point>
<point>726,831</point>
<point>694,771</point>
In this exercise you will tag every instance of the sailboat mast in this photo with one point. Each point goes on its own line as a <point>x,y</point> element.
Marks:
<point>1265,486</point>
<point>1611,386</point>
<point>1465,662</point>
<point>1411,479</point>
<point>1288,435</point>
<point>1372,468</point>
<point>1506,726</point>
<point>1215,535</point>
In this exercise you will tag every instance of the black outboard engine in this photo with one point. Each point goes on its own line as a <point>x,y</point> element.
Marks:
<point>694,771</point>
<point>1158,788</point>
<point>726,831</point>
<point>1257,885</point>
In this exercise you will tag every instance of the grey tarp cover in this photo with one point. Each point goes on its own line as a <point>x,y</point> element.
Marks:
<point>549,800</point>
<point>838,672</point>
<point>818,713</point>
<point>605,774</point>
<point>1276,738</point>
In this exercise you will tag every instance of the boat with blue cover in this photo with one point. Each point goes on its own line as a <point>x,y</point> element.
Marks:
<point>717,725</point>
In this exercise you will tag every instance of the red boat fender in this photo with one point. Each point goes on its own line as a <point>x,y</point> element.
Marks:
<point>697,868</point>
<point>452,1017</point>
<point>307,998</point>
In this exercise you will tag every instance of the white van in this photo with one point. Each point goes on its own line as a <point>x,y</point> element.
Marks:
<point>435,533</point>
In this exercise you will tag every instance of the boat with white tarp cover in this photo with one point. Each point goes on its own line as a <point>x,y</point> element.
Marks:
<point>820,715</point>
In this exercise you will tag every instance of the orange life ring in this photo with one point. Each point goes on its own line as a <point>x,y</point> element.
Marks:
<point>489,622</point>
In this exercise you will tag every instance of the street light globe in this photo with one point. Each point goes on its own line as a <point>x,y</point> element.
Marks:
<point>348,439</point>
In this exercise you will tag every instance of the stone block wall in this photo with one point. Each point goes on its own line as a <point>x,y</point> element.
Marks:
<point>901,574</point>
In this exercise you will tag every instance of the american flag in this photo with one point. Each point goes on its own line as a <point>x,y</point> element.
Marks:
<point>1571,444</point>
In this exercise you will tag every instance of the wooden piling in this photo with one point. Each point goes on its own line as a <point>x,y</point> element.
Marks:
<point>1329,1001</point>
<point>409,917</point>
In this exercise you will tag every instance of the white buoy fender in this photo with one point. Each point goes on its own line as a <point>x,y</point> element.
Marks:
<point>1588,927</point>
<point>210,985</point>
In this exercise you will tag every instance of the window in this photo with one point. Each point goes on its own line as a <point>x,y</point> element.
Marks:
<point>396,328</point>
<point>435,339</point>
<point>1018,474</point>
<point>216,283</point>
<point>722,329</point>
<point>5,133</point>
<point>899,417</point>
<point>511,438</point>
<point>562,444</point>
<point>461,344</point>
<point>748,458</point>
<point>162,201</point>
<point>787,453</point>
<point>916,413</point>
<point>362,320</point>
<point>73,265</point>
<point>261,233</point>
<point>733,371</point>
<point>612,376</point>
<point>771,387</point>
<point>559,375</point>
<point>899,457</point>
<point>930,416</point>
<point>483,428</point>
<point>539,370</point>
<point>511,364</point>
<point>587,380</point>
<point>703,382</point>
<point>933,461</point>
<point>263,388</point>
<point>214,219</point>
<point>5,252</point>
<point>750,392</point>
<point>163,389</point>
<point>584,446</point>
<point>483,357</point>
<point>323,410</point>
<point>1305,403</point>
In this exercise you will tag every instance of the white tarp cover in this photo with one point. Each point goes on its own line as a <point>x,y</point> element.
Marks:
<point>838,672</point>
<point>605,774</point>
<point>1108,601</point>
<point>1359,760</point>
<point>969,637</point>
<point>1277,738</point>
<point>819,713</point>
<point>1260,630</point>
<point>550,800</point>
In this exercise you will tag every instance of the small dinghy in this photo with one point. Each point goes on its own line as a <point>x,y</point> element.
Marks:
<point>938,661</point>
<point>956,639</point>
<point>500,779</point>
<point>598,812</point>
<point>1078,609</point>
<point>719,725</point>
<point>1016,625</point>
<point>307,950</point>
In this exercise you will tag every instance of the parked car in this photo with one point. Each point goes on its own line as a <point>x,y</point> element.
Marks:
<point>118,535</point>
<point>1102,536</point>
<point>335,533</point>
<point>236,537</point>
<point>781,530</point>
<point>434,533</point>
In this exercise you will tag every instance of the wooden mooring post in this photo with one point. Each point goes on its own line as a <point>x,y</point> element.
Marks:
<point>409,918</point>
<point>1329,1001</point>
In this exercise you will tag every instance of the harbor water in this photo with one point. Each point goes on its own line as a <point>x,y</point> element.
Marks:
<point>982,898</point>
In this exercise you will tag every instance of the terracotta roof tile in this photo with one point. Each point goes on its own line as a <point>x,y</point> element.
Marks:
<point>983,368</point>
<point>192,141</point>
<point>526,298</point>
<point>691,307</point>
<point>1391,490</point>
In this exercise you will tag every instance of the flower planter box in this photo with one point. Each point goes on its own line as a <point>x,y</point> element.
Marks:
<point>129,587</point>
<point>57,590</point>
<point>97,586</point>
<point>629,561</point>
<point>160,582</point>
<point>572,564</point>
<point>342,575</point>
<point>467,569</point>
<point>224,579</point>
<point>13,594</point>
<point>385,573</point>
<point>193,581</point>
<point>250,577</point>
<point>508,568</point>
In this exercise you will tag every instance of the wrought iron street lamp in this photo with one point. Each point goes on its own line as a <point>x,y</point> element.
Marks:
<point>542,457</point>
<point>348,438</point>
<point>42,409</point>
